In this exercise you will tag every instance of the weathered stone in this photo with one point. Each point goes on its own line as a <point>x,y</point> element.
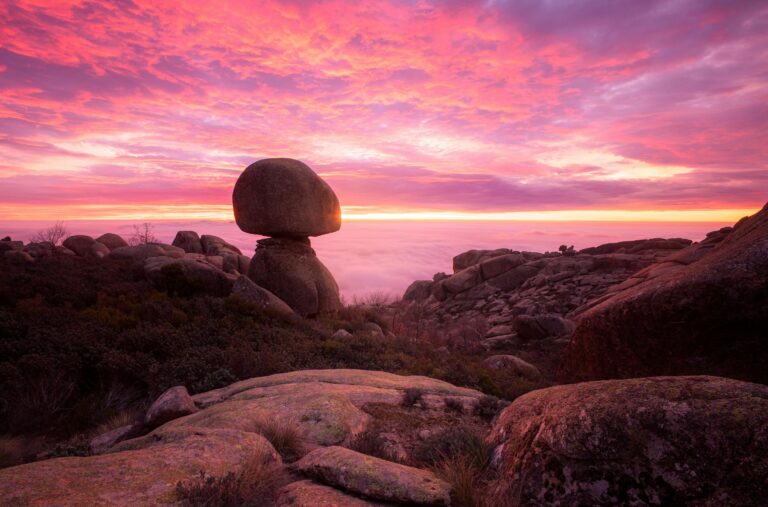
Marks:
<point>189,241</point>
<point>246,289</point>
<point>498,265</point>
<point>703,310</point>
<point>374,477</point>
<point>284,197</point>
<point>80,244</point>
<point>514,365</point>
<point>290,269</point>
<point>501,329</point>
<point>513,278</point>
<point>418,290</point>
<point>172,404</point>
<point>342,334</point>
<point>40,249</point>
<point>141,253</point>
<point>140,472</point>
<point>18,256</point>
<point>112,241</point>
<point>214,245</point>
<point>463,280</point>
<point>541,326</point>
<point>97,251</point>
<point>473,257</point>
<point>103,442</point>
<point>309,494</point>
<point>657,441</point>
<point>187,274</point>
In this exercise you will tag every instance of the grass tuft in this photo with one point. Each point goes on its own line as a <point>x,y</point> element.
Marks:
<point>257,483</point>
<point>285,437</point>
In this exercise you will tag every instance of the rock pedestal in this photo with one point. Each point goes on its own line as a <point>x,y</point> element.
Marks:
<point>289,268</point>
<point>285,199</point>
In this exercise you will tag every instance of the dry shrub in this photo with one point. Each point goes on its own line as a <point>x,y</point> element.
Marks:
<point>412,396</point>
<point>369,442</point>
<point>285,437</point>
<point>453,443</point>
<point>465,479</point>
<point>257,483</point>
<point>53,234</point>
<point>117,421</point>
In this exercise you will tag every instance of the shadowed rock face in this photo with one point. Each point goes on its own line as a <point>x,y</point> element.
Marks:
<point>284,197</point>
<point>702,310</point>
<point>649,441</point>
<point>290,269</point>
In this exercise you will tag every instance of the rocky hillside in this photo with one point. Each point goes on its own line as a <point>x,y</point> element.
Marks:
<point>524,302</point>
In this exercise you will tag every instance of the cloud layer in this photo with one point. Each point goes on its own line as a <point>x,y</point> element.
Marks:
<point>477,106</point>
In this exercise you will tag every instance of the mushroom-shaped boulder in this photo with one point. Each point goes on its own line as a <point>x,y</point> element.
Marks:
<point>282,197</point>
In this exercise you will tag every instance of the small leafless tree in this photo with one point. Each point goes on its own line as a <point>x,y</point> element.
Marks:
<point>143,234</point>
<point>376,299</point>
<point>53,234</point>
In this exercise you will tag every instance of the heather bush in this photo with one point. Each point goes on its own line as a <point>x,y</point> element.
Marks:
<point>82,340</point>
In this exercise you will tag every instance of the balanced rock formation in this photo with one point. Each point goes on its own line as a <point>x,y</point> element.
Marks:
<point>702,310</point>
<point>285,199</point>
<point>646,441</point>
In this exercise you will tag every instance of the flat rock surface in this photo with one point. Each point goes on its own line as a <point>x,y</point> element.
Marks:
<point>373,477</point>
<point>142,471</point>
<point>309,494</point>
<point>658,440</point>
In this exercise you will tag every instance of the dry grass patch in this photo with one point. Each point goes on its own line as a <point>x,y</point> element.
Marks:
<point>285,437</point>
<point>257,483</point>
<point>12,451</point>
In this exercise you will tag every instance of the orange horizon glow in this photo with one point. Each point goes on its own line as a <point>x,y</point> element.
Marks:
<point>150,213</point>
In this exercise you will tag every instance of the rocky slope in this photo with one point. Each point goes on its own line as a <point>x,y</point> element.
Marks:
<point>523,302</point>
<point>703,310</point>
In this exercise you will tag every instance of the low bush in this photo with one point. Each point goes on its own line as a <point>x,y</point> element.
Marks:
<point>452,443</point>
<point>370,442</point>
<point>465,479</point>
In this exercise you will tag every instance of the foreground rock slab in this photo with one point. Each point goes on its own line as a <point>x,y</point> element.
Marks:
<point>309,494</point>
<point>658,441</point>
<point>374,477</point>
<point>144,472</point>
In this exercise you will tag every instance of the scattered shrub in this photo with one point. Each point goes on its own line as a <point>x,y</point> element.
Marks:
<point>454,405</point>
<point>412,396</point>
<point>79,445</point>
<point>257,483</point>
<point>489,407</point>
<point>454,442</point>
<point>53,234</point>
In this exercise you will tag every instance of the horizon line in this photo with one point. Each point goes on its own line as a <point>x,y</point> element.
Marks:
<point>149,213</point>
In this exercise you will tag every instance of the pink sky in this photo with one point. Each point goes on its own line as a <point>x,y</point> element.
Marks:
<point>151,109</point>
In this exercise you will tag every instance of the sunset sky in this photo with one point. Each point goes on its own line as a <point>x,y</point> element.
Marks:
<point>410,109</point>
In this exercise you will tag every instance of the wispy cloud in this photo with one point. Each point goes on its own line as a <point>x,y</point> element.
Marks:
<point>435,105</point>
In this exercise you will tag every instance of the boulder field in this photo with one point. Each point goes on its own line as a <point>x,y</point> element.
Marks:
<point>651,441</point>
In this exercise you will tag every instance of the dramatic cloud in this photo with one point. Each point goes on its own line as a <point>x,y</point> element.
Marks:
<point>403,105</point>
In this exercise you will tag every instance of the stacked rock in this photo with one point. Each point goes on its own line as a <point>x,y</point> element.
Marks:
<point>284,199</point>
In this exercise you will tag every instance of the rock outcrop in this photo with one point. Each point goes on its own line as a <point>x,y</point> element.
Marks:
<point>172,404</point>
<point>703,310</point>
<point>188,275</point>
<point>649,441</point>
<point>141,253</point>
<point>189,241</point>
<point>285,199</point>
